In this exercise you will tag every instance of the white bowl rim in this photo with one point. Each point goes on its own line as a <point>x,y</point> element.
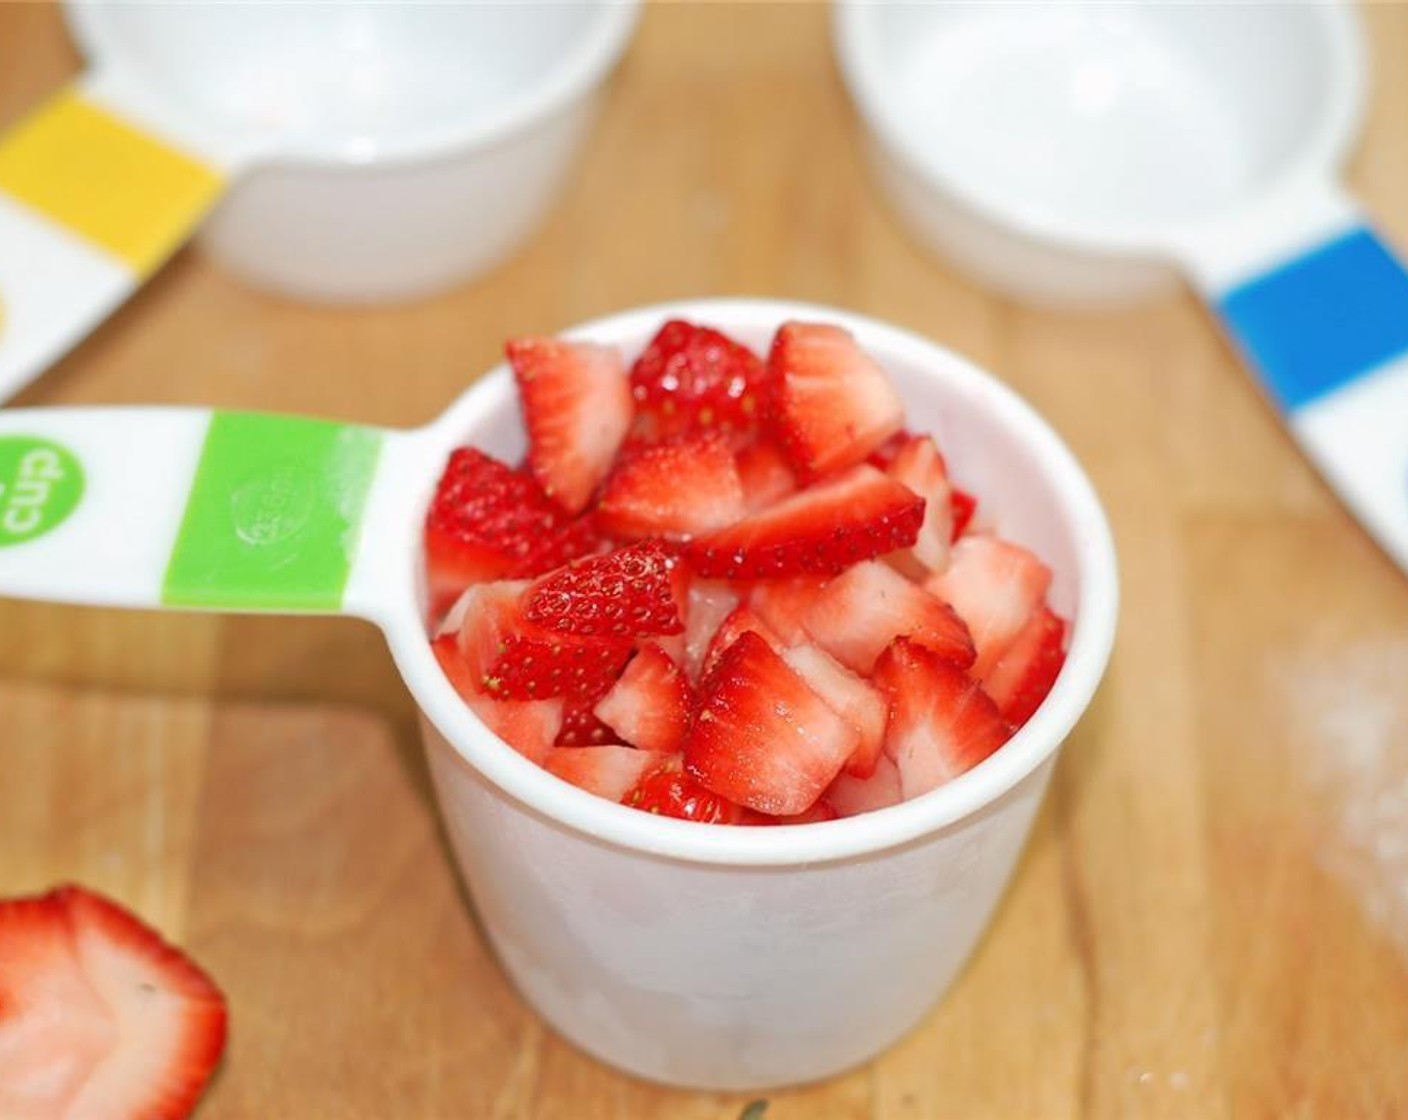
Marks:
<point>590,60</point>
<point>964,797</point>
<point>1322,152</point>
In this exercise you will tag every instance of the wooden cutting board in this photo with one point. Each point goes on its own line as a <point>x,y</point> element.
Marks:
<point>1212,918</point>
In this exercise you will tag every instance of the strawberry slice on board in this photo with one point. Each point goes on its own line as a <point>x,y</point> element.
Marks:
<point>830,403</point>
<point>610,772</point>
<point>860,612</point>
<point>918,464</point>
<point>670,792</point>
<point>651,704</point>
<point>762,738</point>
<point>576,408</point>
<point>995,586</point>
<point>686,486</point>
<point>764,474</point>
<point>823,530</point>
<point>850,795</point>
<point>850,697</point>
<point>621,595</point>
<point>99,1017</point>
<point>696,379</point>
<point>1020,680</point>
<point>942,723</point>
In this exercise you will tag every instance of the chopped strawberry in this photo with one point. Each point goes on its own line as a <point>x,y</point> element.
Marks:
<point>919,466</point>
<point>995,586</point>
<point>964,506</point>
<point>831,405</point>
<point>850,795</point>
<point>99,1017</point>
<point>710,602</point>
<point>850,697</point>
<point>572,541</point>
<point>621,595</point>
<point>762,738</point>
<point>860,612</point>
<point>576,407</point>
<point>680,488</point>
<point>692,379</point>
<point>884,455</point>
<point>528,726</point>
<point>610,772</point>
<point>1023,676</point>
<point>581,727</point>
<point>821,811</point>
<point>741,619</point>
<point>783,605</point>
<point>823,530</point>
<point>669,792</point>
<point>941,721</point>
<point>765,475</point>
<point>650,706</point>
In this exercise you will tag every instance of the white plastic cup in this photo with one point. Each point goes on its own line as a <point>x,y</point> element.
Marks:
<point>707,956</point>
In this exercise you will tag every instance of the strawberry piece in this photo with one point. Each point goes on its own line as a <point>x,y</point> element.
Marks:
<point>823,530</point>
<point>98,1015</point>
<point>650,706</point>
<point>740,619</point>
<point>764,474</point>
<point>692,379</point>
<point>995,586</point>
<point>762,738</point>
<point>581,727</point>
<point>860,612</point>
<point>572,541</point>
<point>710,602</point>
<point>528,726</point>
<point>576,408</point>
<point>919,466</point>
<point>850,697</point>
<point>821,811</point>
<point>621,595</point>
<point>850,795</point>
<point>686,486</point>
<point>610,772</point>
<point>884,455</point>
<point>783,605</point>
<point>1019,682</point>
<point>669,792</point>
<point>830,404</point>
<point>484,520</point>
<point>964,506</point>
<point>942,723</point>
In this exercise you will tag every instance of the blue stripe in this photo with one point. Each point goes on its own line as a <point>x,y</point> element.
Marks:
<point>1323,320</point>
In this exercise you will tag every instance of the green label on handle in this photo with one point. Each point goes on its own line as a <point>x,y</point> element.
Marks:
<point>274,516</point>
<point>41,483</point>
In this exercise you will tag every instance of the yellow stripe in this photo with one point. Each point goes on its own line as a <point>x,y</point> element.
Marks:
<point>105,180</point>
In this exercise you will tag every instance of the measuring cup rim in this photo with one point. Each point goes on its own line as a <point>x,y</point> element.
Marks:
<point>576,810</point>
<point>555,88</point>
<point>1318,157</point>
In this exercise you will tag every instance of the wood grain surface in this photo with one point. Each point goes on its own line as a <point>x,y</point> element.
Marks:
<point>1212,918</point>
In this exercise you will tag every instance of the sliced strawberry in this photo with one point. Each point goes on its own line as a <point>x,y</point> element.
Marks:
<point>99,1016</point>
<point>581,727</point>
<point>669,792</point>
<point>680,488</point>
<point>710,602</point>
<point>964,506</point>
<point>919,466</point>
<point>739,620</point>
<point>862,611</point>
<point>765,475</point>
<point>783,605</point>
<point>823,530</point>
<point>484,520</point>
<point>572,541</point>
<point>850,795</point>
<point>1023,676</point>
<point>528,726</point>
<point>482,621</point>
<point>622,595</point>
<point>995,586</point>
<point>762,738</point>
<point>576,408</point>
<point>650,706</point>
<point>831,405</point>
<point>850,697</point>
<point>692,379</point>
<point>821,811</point>
<point>610,772</point>
<point>941,721</point>
<point>884,455</point>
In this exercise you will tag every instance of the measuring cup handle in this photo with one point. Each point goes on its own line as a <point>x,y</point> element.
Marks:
<point>1318,306</point>
<point>190,508</point>
<point>94,196</point>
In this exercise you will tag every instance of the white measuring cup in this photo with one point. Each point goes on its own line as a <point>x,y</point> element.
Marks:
<point>699,955</point>
<point>1088,153</point>
<point>358,151</point>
